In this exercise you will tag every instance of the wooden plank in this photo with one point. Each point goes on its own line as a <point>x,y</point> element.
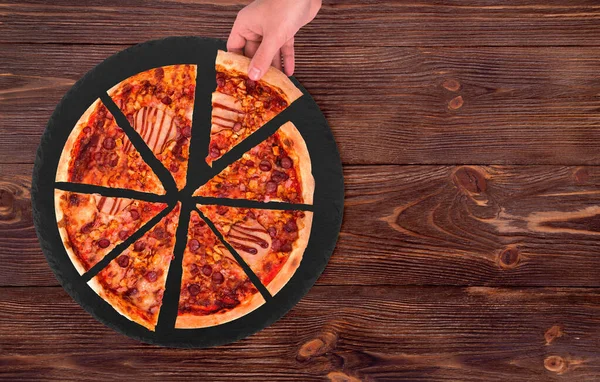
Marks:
<point>405,225</point>
<point>356,333</point>
<point>340,23</point>
<point>385,105</point>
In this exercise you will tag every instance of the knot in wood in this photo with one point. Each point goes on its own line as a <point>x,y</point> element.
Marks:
<point>7,202</point>
<point>456,103</point>
<point>470,179</point>
<point>555,364</point>
<point>317,347</point>
<point>553,333</point>
<point>581,175</point>
<point>509,257</point>
<point>451,84</point>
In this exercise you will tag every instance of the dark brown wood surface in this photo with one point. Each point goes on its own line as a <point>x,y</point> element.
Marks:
<point>470,136</point>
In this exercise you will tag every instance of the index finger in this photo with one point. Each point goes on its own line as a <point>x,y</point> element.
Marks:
<point>235,42</point>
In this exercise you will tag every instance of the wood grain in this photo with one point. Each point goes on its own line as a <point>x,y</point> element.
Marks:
<point>339,23</point>
<point>384,105</point>
<point>424,225</point>
<point>335,333</point>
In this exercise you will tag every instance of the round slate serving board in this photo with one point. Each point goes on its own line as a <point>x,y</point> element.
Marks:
<point>304,113</point>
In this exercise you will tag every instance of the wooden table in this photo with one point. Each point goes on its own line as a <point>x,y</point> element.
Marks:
<point>470,136</point>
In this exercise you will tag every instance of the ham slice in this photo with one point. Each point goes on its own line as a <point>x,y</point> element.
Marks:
<point>155,126</point>
<point>111,206</point>
<point>226,101</point>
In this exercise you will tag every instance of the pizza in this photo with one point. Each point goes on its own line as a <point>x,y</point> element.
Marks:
<point>119,226</point>
<point>278,169</point>
<point>95,153</point>
<point>134,282</point>
<point>159,106</point>
<point>240,105</point>
<point>92,225</point>
<point>214,287</point>
<point>271,242</point>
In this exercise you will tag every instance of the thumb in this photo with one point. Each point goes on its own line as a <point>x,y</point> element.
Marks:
<point>263,57</point>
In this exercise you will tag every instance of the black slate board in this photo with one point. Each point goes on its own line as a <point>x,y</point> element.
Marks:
<point>304,113</point>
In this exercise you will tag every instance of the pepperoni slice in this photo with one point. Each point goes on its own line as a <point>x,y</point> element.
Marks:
<point>186,131</point>
<point>207,270</point>
<point>109,143</point>
<point>290,226</point>
<point>279,176</point>
<point>237,127</point>
<point>139,246</point>
<point>103,243</point>
<point>87,228</point>
<point>135,215</point>
<point>265,165</point>
<point>194,245</point>
<point>123,261</point>
<point>214,152</point>
<point>194,289</point>
<point>123,234</point>
<point>271,186</point>
<point>151,276</point>
<point>218,278</point>
<point>286,162</point>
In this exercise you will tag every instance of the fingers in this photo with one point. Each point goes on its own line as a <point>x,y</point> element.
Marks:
<point>263,58</point>
<point>287,54</point>
<point>277,60</point>
<point>235,42</point>
<point>251,48</point>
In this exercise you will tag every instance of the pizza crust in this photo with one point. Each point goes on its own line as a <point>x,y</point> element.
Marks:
<point>119,305</point>
<point>297,147</point>
<point>191,321</point>
<point>295,258</point>
<point>274,77</point>
<point>63,232</point>
<point>62,172</point>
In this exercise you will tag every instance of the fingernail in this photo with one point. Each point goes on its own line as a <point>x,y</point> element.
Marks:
<point>254,74</point>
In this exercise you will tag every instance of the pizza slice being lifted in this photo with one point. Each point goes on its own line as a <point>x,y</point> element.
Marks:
<point>240,105</point>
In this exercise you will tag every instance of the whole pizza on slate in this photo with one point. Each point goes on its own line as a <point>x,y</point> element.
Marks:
<point>228,249</point>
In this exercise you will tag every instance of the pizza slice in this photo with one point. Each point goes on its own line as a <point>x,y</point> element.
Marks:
<point>159,105</point>
<point>214,288</point>
<point>95,153</point>
<point>271,242</point>
<point>91,225</point>
<point>240,105</point>
<point>277,169</point>
<point>134,282</point>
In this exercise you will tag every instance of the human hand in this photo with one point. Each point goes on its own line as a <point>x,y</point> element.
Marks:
<point>264,31</point>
